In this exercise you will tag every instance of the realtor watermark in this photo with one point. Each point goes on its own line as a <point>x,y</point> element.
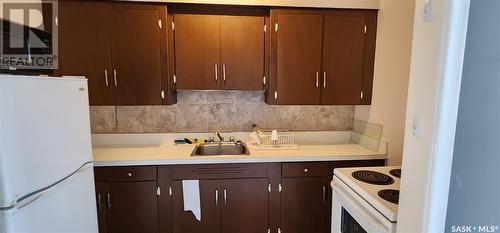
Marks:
<point>473,228</point>
<point>29,35</point>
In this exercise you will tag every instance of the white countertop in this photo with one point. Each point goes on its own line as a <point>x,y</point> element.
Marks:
<point>125,150</point>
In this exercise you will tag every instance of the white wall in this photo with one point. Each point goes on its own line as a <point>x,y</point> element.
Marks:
<point>435,74</point>
<point>391,74</point>
<point>474,183</point>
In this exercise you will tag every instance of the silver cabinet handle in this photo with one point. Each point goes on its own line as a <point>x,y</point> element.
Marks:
<point>216,73</point>
<point>324,194</point>
<point>324,79</point>
<point>224,72</point>
<point>115,77</point>
<point>317,79</point>
<point>225,196</point>
<point>306,170</point>
<point>216,197</point>
<point>108,197</point>
<point>99,203</point>
<point>106,77</point>
<point>129,174</point>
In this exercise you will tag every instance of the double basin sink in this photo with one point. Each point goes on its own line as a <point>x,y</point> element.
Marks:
<point>225,148</point>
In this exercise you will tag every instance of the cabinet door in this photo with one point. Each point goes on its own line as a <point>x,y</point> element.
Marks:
<point>343,47</point>
<point>245,205</point>
<point>84,48</point>
<point>304,205</point>
<point>242,52</point>
<point>197,51</point>
<point>136,54</point>
<point>133,207</point>
<point>210,200</point>
<point>298,58</point>
<point>101,190</point>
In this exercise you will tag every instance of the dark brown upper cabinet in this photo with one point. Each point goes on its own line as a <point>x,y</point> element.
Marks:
<point>197,47</point>
<point>218,49</point>
<point>242,52</point>
<point>299,58</point>
<point>322,56</point>
<point>119,47</point>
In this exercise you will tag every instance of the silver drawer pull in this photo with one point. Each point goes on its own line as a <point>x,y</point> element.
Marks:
<point>108,197</point>
<point>306,170</point>
<point>115,77</point>
<point>216,72</point>
<point>129,174</point>
<point>216,197</point>
<point>99,204</point>
<point>317,79</point>
<point>106,77</point>
<point>225,196</point>
<point>324,79</point>
<point>224,72</point>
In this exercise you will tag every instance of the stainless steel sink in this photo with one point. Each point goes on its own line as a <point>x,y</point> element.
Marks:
<point>214,149</point>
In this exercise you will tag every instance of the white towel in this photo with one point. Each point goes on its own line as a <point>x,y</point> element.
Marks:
<point>191,194</point>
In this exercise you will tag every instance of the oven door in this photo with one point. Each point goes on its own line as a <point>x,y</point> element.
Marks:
<point>352,214</point>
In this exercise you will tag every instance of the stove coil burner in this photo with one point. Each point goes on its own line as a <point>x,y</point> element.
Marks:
<point>390,195</point>
<point>396,172</point>
<point>372,177</point>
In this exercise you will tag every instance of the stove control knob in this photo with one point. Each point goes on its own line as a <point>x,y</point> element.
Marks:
<point>306,170</point>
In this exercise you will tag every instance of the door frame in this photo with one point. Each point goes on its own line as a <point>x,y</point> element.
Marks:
<point>435,77</point>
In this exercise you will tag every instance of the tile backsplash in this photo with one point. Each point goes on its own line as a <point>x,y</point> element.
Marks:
<point>207,111</point>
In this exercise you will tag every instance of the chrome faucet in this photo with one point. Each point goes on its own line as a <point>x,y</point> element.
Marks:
<point>221,139</point>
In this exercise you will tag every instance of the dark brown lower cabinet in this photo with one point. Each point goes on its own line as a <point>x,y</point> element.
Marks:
<point>234,198</point>
<point>306,194</point>
<point>186,222</point>
<point>304,205</point>
<point>127,199</point>
<point>245,205</point>
<point>228,206</point>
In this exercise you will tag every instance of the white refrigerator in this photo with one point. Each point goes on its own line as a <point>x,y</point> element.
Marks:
<point>46,174</point>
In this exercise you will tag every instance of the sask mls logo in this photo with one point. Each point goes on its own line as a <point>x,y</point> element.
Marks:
<point>28,34</point>
<point>472,228</point>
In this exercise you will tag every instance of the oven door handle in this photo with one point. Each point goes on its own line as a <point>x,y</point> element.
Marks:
<point>362,212</point>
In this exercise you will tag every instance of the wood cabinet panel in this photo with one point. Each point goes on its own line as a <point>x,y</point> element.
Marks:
<point>197,51</point>
<point>135,46</point>
<point>245,205</point>
<point>219,171</point>
<point>336,46</point>
<point>242,52</point>
<point>369,55</point>
<point>118,174</point>
<point>343,51</point>
<point>119,47</point>
<point>304,169</point>
<point>233,197</point>
<point>84,48</point>
<point>210,200</point>
<point>101,190</point>
<point>298,58</point>
<point>304,205</point>
<point>133,207</point>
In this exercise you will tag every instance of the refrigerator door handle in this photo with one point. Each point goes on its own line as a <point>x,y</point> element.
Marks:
<point>27,199</point>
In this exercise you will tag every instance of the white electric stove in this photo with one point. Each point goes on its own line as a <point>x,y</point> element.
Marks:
<point>365,199</point>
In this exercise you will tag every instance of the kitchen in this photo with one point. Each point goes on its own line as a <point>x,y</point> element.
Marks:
<point>235,116</point>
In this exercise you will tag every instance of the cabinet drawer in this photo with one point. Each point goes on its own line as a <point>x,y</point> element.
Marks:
<point>117,174</point>
<point>304,169</point>
<point>219,171</point>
